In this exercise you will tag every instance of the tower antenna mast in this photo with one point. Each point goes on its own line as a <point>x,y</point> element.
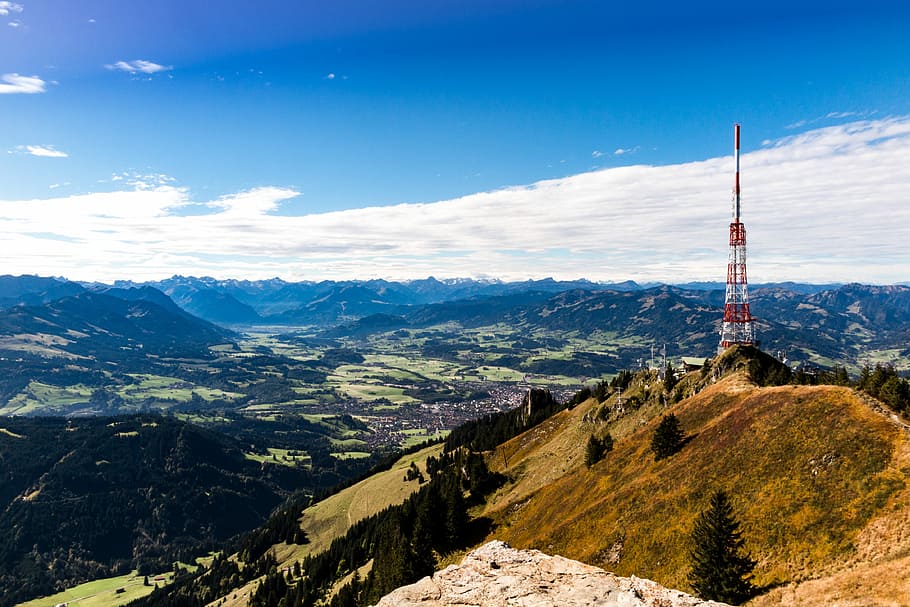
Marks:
<point>738,322</point>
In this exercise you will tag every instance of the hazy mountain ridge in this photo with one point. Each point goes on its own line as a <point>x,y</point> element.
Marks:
<point>801,322</point>
<point>99,324</point>
<point>91,338</point>
<point>34,290</point>
<point>331,302</point>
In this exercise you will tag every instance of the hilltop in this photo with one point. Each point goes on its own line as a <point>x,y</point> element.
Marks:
<point>818,475</point>
<point>496,575</point>
<point>811,468</point>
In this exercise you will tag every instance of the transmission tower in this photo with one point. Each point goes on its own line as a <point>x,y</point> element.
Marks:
<point>738,322</point>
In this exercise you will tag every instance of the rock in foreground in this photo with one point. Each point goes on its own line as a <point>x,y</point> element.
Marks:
<point>496,575</point>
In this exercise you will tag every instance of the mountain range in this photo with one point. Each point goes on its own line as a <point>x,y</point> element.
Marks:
<point>182,317</point>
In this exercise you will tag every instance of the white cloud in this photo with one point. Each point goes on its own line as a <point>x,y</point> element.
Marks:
<point>596,154</point>
<point>139,65</point>
<point>831,116</point>
<point>621,151</point>
<point>9,7</point>
<point>14,83</point>
<point>15,23</point>
<point>330,76</point>
<point>820,206</point>
<point>46,151</point>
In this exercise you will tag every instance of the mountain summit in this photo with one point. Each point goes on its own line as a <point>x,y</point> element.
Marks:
<point>496,575</point>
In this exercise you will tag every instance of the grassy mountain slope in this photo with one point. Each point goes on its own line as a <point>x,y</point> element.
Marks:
<point>818,476</point>
<point>876,572</point>
<point>332,517</point>
<point>809,469</point>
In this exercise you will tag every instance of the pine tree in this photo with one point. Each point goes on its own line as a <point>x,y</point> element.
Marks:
<point>593,452</point>
<point>668,437</point>
<point>597,448</point>
<point>720,569</point>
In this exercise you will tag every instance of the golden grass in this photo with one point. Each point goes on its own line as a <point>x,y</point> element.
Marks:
<point>819,480</point>
<point>808,468</point>
<point>875,573</point>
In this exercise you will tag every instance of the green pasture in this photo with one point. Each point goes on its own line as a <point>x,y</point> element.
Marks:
<point>255,341</point>
<point>552,380</point>
<point>416,436</point>
<point>280,457</point>
<point>103,593</point>
<point>331,422</point>
<point>168,388</point>
<point>374,392</point>
<point>491,373</point>
<point>44,398</point>
<point>115,591</point>
<point>202,419</point>
<point>414,366</point>
<point>351,455</point>
<point>886,357</point>
<point>347,444</point>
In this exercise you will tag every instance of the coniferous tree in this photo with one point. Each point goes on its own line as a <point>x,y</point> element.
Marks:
<point>593,452</point>
<point>597,448</point>
<point>721,571</point>
<point>668,437</point>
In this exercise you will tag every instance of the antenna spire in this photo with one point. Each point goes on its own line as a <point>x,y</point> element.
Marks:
<point>736,183</point>
<point>738,322</point>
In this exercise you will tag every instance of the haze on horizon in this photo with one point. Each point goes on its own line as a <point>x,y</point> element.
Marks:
<point>506,140</point>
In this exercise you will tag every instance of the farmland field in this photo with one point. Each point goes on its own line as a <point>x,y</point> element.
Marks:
<point>404,386</point>
<point>108,592</point>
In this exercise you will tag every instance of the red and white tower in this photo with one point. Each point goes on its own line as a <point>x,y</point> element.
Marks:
<point>738,323</point>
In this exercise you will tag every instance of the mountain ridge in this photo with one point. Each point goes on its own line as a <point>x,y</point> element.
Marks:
<point>818,476</point>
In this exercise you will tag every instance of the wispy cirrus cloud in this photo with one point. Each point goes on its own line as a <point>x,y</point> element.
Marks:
<point>799,124</point>
<point>138,66</point>
<point>45,151</point>
<point>622,151</point>
<point>819,207</point>
<point>14,83</point>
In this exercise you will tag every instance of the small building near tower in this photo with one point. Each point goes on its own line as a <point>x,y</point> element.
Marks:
<point>692,363</point>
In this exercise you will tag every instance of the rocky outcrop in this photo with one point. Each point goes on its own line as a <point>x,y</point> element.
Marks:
<point>496,575</point>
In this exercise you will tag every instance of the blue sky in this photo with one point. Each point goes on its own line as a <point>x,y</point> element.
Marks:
<point>400,139</point>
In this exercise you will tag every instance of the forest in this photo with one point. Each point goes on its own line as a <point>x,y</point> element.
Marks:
<point>93,497</point>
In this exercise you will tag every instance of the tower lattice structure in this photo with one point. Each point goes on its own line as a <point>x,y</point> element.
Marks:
<point>738,326</point>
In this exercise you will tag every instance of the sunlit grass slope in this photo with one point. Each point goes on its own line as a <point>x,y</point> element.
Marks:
<point>109,592</point>
<point>333,516</point>
<point>807,467</point>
